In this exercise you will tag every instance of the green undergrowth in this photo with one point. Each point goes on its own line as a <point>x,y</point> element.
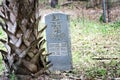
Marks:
<point>90,40</point>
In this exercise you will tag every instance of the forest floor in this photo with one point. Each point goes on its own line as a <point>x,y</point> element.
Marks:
<point>79,9</point>
<point>90,39</point>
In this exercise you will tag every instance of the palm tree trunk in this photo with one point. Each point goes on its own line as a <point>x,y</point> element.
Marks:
<point>24,55</point>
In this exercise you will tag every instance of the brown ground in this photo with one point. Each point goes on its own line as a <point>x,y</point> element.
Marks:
<point>79,10</point>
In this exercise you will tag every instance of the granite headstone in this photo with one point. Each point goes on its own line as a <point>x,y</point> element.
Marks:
<point>58,41</point>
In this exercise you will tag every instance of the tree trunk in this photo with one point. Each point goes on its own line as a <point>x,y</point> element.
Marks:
<point>104,10</point>
<point>24,55</point>
<point>53,3</point>
<point>108,9</point>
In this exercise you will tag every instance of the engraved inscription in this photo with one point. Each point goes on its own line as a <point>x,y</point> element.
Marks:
<point>56,33</point>
<point>58,49</point>
<point>55,17</point>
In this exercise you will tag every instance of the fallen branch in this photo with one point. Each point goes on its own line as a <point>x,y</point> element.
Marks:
<point>66,3</point>
<point>105,58</point>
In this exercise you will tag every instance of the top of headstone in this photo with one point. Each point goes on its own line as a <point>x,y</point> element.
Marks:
<point>56,12</point>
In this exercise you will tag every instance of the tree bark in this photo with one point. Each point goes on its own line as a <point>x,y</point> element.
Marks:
<point>108,9</point>
<point>104,10</point>
<point>24,55</point>
<point>53,3</point>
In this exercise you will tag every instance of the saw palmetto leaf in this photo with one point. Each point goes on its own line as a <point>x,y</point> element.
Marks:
<point>40,32</point>
<point>3,52</point>
<point>6,45</point>
<point>35,59</point>
<point>41,43</point>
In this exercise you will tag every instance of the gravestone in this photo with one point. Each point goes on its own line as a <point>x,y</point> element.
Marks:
<point>58,41</point>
